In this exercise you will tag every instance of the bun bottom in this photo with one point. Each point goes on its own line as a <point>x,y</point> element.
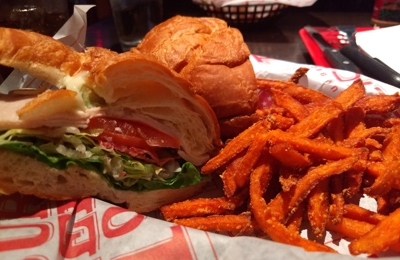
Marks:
<point>26,175</point>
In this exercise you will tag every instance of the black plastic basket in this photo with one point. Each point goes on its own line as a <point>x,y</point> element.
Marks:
<point>246,14</point>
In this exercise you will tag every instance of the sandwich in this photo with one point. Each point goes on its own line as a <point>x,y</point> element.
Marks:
<point>215,59</point>
<point>120,127</point>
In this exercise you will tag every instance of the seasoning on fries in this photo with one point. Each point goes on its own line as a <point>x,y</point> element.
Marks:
<point>307,160</point>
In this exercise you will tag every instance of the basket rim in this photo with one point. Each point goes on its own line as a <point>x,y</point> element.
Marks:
<point>211,4</point>
<point>236,14</point>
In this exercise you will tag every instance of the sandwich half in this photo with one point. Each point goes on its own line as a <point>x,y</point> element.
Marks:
<point>119,127</point>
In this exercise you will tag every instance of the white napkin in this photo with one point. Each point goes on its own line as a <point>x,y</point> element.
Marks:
<point>383,44</point>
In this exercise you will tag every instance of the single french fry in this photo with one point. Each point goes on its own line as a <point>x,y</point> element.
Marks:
<point>356,212</point>
<point>228,176</point>
<point>350,227</point>
<point>197,207</point>
<point>337,206</point>
<point>280,122</point>
<point>306,145</point>
<point>351,95</point>
<point>294,222</point>
<point>354,121</point>
<point>203,206</point>
<point>383,205</point>
<point>266,164</point>
<point>318,207</point>
<point>266,220</point>
<point>384,235</point>
<point>294,107</point>
<point>352,182</point>
<point>234,147</point>
<point>352,179</point>
<point>376,169</point>
<point>301,93</point>
<point>391,143</point>
<point>336,129</point>
<point>318,119</point>
<point>379,104</point>
<point>279,205</point>
<point>298,74</point>
<point>311,107</point>
<point>249,160</point>
<point>288,156</point>
<point>227,223</point>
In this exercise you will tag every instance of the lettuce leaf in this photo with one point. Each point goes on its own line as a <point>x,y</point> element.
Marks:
<point>120,170</point>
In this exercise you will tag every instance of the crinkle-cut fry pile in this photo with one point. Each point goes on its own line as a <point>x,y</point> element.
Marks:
<point>308,160</point>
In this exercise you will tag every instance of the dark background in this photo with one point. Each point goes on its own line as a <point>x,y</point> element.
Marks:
<point>278,40</point>
<point>187,7</point>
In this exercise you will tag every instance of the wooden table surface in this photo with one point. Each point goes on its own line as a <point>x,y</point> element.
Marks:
<point>277,39</point>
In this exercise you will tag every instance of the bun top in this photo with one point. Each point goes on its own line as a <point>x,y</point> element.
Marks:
<point>132,85</point>
<point>212,56</point>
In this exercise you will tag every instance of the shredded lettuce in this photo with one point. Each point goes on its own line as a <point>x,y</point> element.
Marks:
<point>60,148</point>
<point>90,98</point>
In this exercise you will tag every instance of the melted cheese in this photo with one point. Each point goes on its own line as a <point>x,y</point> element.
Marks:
<point>75,82</point>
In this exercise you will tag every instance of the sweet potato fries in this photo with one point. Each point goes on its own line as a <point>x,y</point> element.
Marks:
<point>313,170</point>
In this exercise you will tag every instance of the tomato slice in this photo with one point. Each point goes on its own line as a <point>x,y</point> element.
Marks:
<point>134,138</point>
<point>136,130</point>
